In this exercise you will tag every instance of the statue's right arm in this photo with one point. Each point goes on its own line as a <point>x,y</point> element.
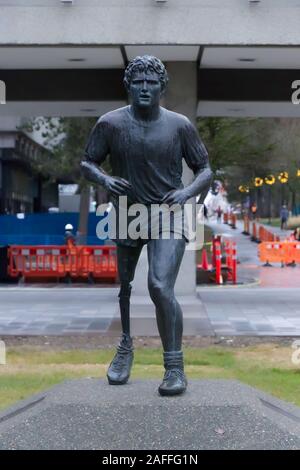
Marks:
<point>96,151</point>
<point>93,173</point>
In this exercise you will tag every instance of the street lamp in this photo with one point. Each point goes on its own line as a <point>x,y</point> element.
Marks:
<point>283,177</point>
<point>243,189</point>
<point>258,182</point>
<point>270,180</point>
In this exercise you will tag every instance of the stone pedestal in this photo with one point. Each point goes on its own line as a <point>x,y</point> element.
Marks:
<point>90,414</point>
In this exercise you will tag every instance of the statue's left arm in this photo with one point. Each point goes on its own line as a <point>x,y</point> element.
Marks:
<point>196,156</point>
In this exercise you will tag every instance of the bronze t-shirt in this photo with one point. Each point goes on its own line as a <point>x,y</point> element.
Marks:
<point>147,154</point>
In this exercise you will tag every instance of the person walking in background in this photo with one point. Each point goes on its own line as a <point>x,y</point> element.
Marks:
<point>284,215</point>
<point>253,210</point>
<point>295,235</point>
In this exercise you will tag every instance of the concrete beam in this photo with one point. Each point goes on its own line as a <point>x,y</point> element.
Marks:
<point>241,109</point>
<point>64,85</point>
<point>205,22</point>
<point>246,84</point>
<point>107,85</point>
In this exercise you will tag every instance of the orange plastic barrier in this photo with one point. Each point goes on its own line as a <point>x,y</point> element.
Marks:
<point>204,260</point>
<point>98,261</point>
<point>61,261</point>
<point>254,233</point>
<point>278,252</point>
<point>231,260</point>
<point>216,239</point>
<point>40,261</point>
<point>232,220</point>
<point>292,252</point>
<point>265,235</point>
<point>218,261</point>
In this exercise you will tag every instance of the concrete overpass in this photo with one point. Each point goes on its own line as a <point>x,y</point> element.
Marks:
<point>235,57</point>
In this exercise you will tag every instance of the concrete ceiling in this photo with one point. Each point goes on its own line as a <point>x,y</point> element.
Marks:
<point>251,57</point>
<point>96,57</point>
<point>60,57</point>
<point>111,57</point>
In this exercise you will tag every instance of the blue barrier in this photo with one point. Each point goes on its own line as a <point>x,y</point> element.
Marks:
<point>44,229</point>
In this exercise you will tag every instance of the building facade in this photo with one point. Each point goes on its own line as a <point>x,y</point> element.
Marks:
<point>22,189</point>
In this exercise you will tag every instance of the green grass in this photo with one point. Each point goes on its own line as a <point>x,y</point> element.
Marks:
<point>267,367</point>
<point>21,385</point>
<point>196,357</point>
<point>274,222</point>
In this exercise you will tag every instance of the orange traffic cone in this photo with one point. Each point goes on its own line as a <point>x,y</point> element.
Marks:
<point>204,260</point>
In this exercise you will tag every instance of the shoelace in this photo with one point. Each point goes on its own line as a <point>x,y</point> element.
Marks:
<point>120,360</point>
<point>119,363</point>
<point>174,372</point>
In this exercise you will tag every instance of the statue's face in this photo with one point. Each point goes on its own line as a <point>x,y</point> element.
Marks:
<point>145,89</point>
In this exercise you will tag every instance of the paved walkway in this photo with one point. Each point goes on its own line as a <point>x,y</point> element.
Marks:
<point>72,310</point>
<point>250,268</point>
<point>228,311</point>
<point>46,311</point>
<point>257,311</point>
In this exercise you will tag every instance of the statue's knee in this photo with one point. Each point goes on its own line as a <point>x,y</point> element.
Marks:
<point>158,290</point>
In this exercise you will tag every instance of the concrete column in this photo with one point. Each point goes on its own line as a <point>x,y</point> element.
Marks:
<point>181,97</point>
<point>181,94</point>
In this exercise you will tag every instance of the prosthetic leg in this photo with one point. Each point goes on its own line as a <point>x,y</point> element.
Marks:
<point>119,369</point>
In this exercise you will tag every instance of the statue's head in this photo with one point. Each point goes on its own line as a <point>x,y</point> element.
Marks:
<point>145,80</point>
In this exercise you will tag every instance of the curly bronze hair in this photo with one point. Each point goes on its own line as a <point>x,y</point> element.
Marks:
<point>144,63</point>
